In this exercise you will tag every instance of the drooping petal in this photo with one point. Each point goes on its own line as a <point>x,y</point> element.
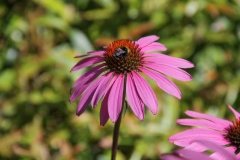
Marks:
<point>142,42</point>
<point>164,83</point>
<point>87,62</point>
<point>216,120</point>
<point>165,59</point>
<point>192,155</point>
<point>196,147</point>
<point>87,96</point>
<point>202,123</point>
<point>145,92</point>
<point>84,82</point>
<point>100,53</point>
<point>87,76</point>
<point>155,46</point>
<point>134,100</point>
<point>104,115</point>
<point>101,89</point>
<point>218,149</point>
<point>237,115</point>
<point>115,99</point>
<point>170,71</point>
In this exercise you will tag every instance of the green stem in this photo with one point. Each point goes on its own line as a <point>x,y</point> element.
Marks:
<point>117,124</point>
<point>115,137</point>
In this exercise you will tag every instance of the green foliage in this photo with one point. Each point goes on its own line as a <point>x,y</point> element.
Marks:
<point>39,38</point>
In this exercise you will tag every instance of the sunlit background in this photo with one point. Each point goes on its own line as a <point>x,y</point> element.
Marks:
<point>38,42</point>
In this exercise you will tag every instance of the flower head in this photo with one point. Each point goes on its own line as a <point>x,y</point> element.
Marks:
<point>219,131</point>
<point>116,71</point>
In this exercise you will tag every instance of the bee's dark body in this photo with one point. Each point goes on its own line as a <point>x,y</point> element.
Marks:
<point>120,53</point>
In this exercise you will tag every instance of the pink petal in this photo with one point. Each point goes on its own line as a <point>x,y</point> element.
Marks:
<point>87,62</point>
<point>101,89</point>
<point>134,100</point>
<point>145,92</point>
<point>218,149</point>
<point>237,115</point>
<point>170,71</point>
<point>232,150</point>
<point>155,46</point>
<point>202,123</point>
<point>191,155</point>
<point>216,120</point>
<point>171,157</point>
<point>164,83</point>
<point>186,142</point>
<point>80,56</point>
<point>196,147</point>
<point>104,115</point>
<point>87,96</point>
<point>165,59</point>
<point>100,53</point>
<point>87,76</point>
<point>217,156</point>
<point>142,42</point>
<point>237,156</point>
<point>183,138</point>
<point>84,81</point>
<point>195,132</point>
<point>115,99</point>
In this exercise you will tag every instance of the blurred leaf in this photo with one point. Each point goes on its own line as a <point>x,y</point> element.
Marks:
<point>80,42</point>
<point>159,18</point>
<point>8,141</point>
<point>33,130</point>
<point>16,23</point>
<point>96,14</point>
<point>7,79</point>
<point>57,7</point>
<point>58,22</point>
<point>64,55</point>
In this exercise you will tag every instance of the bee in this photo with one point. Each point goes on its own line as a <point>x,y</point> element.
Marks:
<point>121,53</point>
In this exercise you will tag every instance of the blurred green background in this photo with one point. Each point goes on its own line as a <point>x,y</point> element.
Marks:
<point>39,38</point>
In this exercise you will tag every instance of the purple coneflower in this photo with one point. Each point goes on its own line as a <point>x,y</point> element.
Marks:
<point>186,154</point>
<point>219,131</point>
<point>116,73</point>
